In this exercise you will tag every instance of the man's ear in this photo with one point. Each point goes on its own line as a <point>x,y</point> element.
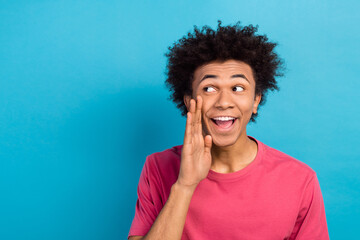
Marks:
<point>256,103</point>
<point>187,99</point>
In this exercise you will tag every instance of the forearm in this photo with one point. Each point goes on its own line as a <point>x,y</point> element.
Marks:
<point>170,222</point>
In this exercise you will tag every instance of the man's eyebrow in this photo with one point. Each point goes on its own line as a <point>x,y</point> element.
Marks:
<point>240,76</point>
<point>233,76</point>
<point>208,76</point>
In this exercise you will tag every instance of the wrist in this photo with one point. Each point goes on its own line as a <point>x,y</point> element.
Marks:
<point>184,187</point>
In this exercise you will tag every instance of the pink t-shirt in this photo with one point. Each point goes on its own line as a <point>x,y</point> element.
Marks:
<point>275,197</point>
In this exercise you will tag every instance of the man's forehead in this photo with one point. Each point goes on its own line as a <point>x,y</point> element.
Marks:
<point>227,68</point>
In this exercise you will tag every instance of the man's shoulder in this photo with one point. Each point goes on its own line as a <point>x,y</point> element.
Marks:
<point>276,158</point>
<point>174,151</point>
<point>168,156</point>
<point>164,165</point>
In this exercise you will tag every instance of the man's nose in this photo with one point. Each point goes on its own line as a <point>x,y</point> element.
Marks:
<point>224,100</point>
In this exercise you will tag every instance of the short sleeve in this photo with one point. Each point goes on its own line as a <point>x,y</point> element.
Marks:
<point>311,220</point>
<point>145,210</point>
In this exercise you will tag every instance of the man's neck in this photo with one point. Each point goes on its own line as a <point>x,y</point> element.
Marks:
<point>233,158</point>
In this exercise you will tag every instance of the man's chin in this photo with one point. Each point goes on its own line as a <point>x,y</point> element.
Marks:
<point>218,142</point>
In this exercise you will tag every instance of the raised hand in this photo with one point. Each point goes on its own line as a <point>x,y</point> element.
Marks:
<point>196,151</point>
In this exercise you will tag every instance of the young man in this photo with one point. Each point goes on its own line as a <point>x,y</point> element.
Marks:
<point>222,183</point>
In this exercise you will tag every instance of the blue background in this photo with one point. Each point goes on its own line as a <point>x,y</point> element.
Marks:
<point>83,102</point>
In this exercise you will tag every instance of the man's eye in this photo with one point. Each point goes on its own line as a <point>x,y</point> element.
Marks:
<point>209,89</point>
<point>239,88</point>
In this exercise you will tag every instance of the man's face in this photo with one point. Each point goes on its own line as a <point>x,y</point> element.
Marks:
<point>228,93</point>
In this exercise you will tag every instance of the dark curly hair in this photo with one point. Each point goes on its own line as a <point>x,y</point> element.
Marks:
<point>227,42</point>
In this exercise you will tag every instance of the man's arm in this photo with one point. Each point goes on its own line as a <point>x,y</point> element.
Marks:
<point>135,237</point>
<point>311,222</point>
<point>171,220</point>
<point>194,167</point>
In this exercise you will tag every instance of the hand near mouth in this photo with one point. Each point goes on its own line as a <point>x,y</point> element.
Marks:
<point>196,151</point>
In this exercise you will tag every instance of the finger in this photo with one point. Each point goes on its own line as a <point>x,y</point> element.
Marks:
<point>198,115</point>
<point>192,105</point>
<point>187,137</point>
<point>208,143</point>
<point>192,111</point>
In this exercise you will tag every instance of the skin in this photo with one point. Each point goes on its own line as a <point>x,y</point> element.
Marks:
<point>224,92</point>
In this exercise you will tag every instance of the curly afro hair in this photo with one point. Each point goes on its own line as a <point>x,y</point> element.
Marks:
<point>227,42</point>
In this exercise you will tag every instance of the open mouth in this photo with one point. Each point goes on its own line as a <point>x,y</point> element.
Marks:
<point>224,124</point>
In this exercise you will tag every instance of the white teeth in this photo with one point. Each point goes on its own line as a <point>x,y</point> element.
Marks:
<point>224,118</point>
